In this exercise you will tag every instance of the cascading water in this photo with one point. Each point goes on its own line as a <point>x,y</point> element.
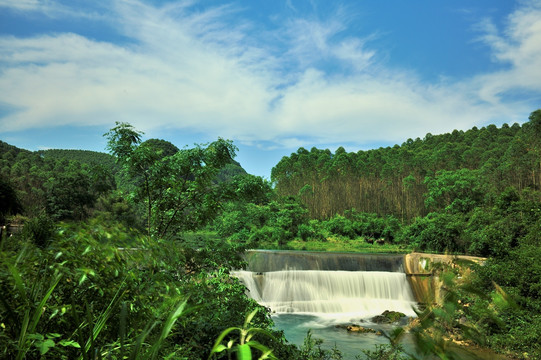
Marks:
<point>319,290</point>
<point>342,295</point>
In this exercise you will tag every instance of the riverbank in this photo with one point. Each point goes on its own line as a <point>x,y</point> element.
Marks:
<point>344,244</point>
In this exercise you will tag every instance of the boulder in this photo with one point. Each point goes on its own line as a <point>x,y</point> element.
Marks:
<point>388,317</point>
<point>358,329</point>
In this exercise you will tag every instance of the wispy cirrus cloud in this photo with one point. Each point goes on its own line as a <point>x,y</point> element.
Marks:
<point>519,47</point>
<point>212,70</point>
<point>49,8</point>
<point>312,42</point>
<point>24,5</point>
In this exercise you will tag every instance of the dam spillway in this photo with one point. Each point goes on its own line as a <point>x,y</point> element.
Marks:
<point>338,286</point>
<point>277,260</point>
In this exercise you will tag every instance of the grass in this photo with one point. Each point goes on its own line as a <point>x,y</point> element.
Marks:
<point>339,244</point>
<point>342,244</point>
<point>199,237</point>
<point>331,244</point>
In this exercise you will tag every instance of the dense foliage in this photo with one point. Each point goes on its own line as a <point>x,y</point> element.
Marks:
<point>395,180</point>
<point>81,289</point>
<point>176,187</point>
<point>80,279</point>
<point>64,183</point>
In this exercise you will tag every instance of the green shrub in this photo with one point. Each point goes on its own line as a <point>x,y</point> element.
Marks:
<point>339,225</point>
<point>306,232</point>
<point>39,230</point>
<point>437,232</point>
<point>386,352</point>
<point>261,236</point>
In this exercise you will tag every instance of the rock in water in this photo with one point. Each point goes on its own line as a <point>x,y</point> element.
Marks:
<point>358,329</point>
<point>388,317</point>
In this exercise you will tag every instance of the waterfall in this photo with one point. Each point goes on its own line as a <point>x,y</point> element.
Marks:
<point>328,291</point>
<point>273,260</point>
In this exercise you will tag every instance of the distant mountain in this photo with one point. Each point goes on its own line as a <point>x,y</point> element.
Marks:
<point>229,171</point>
<point>8,153</point>
<point>82,156</point>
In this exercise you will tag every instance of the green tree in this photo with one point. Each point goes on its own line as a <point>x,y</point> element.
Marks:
<point>247,188</point>
<point>178,190</point>
<point>70,195</point>
<point>163,147</point>
<point>438,232</point>
<point>9,202</point>
<point>454,191</point>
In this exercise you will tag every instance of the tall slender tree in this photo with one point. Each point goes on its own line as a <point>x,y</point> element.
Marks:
<point>178,190</point>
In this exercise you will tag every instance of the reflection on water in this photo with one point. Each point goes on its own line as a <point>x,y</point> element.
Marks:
<point>296,326</point>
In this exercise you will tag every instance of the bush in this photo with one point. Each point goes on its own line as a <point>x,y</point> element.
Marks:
<point>437,232</point>
<point>518,276</point>
<point>39,230</point>
<point>115,208</point>
<point>231,222</point>
<point>339,225</point>
<point>386,352</point>
<point>373,226</point>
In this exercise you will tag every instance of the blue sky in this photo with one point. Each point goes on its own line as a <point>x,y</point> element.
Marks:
<point>271,75</point>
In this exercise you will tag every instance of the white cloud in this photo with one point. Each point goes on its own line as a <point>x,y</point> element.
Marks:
<point>49,8</point>
<point>21,4</point>
<point>206,71</point>
<point>312,41</point>
<point>518,46</point>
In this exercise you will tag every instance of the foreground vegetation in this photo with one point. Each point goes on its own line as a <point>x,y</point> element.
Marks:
<point>81,296</point>
<point>112,261</point>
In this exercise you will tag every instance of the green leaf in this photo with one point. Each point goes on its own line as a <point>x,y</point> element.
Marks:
<point>37,337</point>
<point>88,248</point>
<point>220,348</point>
<point>82,279</point>
<point>244,352</point>
<point>267,353</point>
<point>253,331</point>
<point>249,318</point>
<point>71,343</point>
<point>167,328</point>
<point>217,343</point>
<point>18,281</point>
<point>44,346</point>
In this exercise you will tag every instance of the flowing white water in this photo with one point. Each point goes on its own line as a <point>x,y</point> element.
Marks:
<point>332,296</point>
<point>316,291</point>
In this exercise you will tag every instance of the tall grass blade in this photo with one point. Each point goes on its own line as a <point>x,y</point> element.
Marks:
<point>79,331</point>
<point>89,348</point>
<point>136,350</point>
<point>171,319</point>
<point>41,306</point>
<point>19,284</point>
<point>30,321</point>
<point>100,323</point>
<point>123,321</point>
<point>22,344</point>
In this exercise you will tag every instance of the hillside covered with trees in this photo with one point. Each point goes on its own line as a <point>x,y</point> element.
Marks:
<point>473,192</point>
<point>395,180</point>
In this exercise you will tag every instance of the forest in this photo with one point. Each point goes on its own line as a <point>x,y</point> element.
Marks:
<point>127,254</point>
